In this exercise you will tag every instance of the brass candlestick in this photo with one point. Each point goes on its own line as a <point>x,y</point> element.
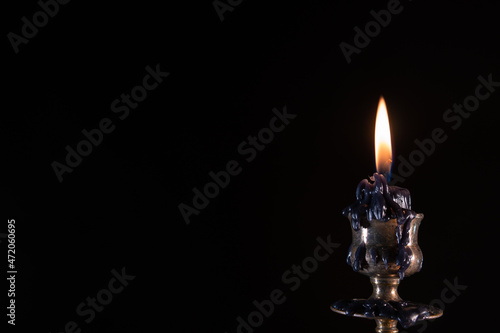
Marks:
<point>375,252</point>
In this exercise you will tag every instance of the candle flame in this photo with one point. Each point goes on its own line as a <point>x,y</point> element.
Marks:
<point>383,148</point>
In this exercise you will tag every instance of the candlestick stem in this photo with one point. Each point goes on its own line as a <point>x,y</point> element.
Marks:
<point>385,288</point>
<point>385,325</point>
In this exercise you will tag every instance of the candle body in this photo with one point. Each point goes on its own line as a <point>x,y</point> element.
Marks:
<point>376,200</point>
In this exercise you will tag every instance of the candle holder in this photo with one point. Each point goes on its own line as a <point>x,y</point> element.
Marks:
<point>376,252</point>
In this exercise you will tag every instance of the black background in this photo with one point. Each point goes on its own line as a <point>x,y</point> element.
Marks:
<point>119,207</point>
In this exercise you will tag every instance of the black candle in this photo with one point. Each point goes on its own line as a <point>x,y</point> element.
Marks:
<point>376,200</point>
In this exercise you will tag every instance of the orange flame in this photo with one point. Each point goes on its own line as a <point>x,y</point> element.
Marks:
<point>383,148</point>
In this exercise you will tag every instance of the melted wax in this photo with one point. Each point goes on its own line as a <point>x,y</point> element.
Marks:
<point>375,200</point>
<point>407,313</point>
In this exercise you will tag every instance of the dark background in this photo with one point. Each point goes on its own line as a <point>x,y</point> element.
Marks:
<point>119,207</point>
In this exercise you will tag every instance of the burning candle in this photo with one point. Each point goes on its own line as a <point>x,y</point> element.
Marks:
<point>376,200</point>
<point>384,246</point>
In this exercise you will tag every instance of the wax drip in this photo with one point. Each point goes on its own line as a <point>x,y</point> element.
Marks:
<point>375,200</point>
<point>385,258</point>
<point>407,313</point>
<point>374,255</point>
<point>359,257</point>
<point>349,255</point>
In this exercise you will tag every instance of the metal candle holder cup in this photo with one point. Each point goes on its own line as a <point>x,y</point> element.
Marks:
<point>376,249</point>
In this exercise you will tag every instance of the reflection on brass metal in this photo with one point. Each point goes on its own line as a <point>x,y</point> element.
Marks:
<point>379,262</point>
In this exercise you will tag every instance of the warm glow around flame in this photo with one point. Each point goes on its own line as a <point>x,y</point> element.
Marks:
<point>383,148</point>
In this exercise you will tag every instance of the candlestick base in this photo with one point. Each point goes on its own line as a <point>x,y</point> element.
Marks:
<point>375,252</point>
